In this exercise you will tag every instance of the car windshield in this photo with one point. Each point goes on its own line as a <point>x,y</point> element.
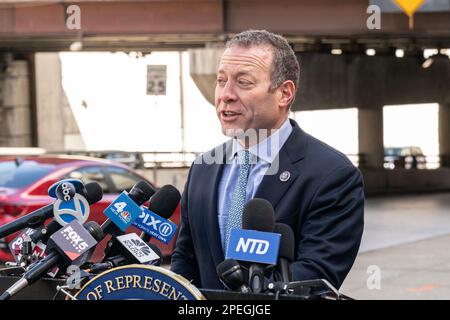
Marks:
<point>392,151</point>
<point>21,174</point>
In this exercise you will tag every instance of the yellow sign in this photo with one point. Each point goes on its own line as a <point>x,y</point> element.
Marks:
<point>409,6</point>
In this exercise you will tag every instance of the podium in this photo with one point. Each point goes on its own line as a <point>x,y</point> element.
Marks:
<point>46,289</point>
<point>144,282</point>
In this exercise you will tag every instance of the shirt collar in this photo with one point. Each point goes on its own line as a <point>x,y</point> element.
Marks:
<point>269,148</point>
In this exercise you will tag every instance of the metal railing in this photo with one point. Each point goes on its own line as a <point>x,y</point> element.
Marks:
<point>148,160</point>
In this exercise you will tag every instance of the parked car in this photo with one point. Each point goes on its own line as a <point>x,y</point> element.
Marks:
<point>24,182</point>
<point>409,157</point>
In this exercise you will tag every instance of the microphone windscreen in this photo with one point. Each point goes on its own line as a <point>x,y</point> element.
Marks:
<point>94,192</point>
<point>258,215</point>
<point>225,266</point>
<point>141,192</point>
<point>94,229</point>
<point>287,243</point>
<point>165,201</point>
<point>145,187</point>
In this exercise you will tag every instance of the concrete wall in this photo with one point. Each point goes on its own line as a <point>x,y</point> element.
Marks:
<point>405,181</point>
<point>349,81</point>
<point>56,127</point>
<point>203,64</point>
<point>15,112</point>
<point>444,134</point>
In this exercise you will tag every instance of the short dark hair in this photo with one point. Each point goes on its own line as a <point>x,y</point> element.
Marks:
<point>285,65</point>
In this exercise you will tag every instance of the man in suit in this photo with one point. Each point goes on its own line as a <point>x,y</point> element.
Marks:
<point>312,187</point>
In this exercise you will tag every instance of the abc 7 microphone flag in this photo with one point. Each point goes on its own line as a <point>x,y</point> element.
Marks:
<point>69,204</point>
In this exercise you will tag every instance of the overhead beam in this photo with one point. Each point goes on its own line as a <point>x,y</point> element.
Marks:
<point>27,25</point>
<point>359,81</point>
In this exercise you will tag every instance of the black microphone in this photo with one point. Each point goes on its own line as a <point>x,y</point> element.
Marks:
<point>140,193</point>
<point>39,216</point>
<point>133,248</point>
<point>286,253</point>
<point>93,193</point>
<point>258,215</point>
<point>232,276</point>
<point>163,203</point>
<point>124,259</point>
<point>68,245</point>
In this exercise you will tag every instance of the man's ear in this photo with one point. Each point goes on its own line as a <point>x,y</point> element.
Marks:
<point>287,93</point>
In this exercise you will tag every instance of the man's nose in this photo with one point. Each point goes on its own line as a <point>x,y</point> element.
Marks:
<point>228,94</point>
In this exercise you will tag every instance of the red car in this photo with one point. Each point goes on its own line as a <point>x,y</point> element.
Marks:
<point>24,182</point>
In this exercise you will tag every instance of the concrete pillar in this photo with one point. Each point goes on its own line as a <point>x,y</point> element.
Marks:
<point>15,118</point>
<point>370,137</point>
<point>72,136</point>
<point>203,70</point>
<point>56,126</point>
<point>444,134</point>
<point>50,120</point>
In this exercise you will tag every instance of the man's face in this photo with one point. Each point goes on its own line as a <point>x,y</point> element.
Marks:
<point>242,95</point>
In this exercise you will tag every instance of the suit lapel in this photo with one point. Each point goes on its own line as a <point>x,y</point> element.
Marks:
<point>214,174</point>
<point>274,186</point>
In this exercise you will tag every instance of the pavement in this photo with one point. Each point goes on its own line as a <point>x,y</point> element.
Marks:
<point>404,252</point>
<point>417,270</point>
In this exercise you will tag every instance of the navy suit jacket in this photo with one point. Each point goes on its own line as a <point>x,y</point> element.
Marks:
<point>323,202</point>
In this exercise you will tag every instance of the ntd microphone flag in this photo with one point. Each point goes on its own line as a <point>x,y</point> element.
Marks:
<point>155,226</point>
<point>123,211</point>
<point>253,246</point>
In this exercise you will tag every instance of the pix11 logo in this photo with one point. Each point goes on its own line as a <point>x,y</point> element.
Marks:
<point>155,226</point>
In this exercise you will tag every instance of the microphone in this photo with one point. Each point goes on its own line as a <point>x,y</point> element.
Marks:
<point>16,245</point>
<point>139,194</point>
<point>232,276</point>
<point>39,237</point>
<point>258,215</point>
<point>66,246</point>
<point>133,249</point>
<point>39,216</point>
<point>163,203</point>
<point>121,260</point>
<point>286,253</point>
<point>93,192</point>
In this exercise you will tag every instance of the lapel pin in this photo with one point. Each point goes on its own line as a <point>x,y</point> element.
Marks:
<point>284,176</point>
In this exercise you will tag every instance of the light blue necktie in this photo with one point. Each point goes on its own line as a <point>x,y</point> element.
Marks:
<point>239,196</point>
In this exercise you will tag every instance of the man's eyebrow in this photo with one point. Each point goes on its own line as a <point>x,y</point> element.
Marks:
<point>239,73</point>
<point>243,73</point>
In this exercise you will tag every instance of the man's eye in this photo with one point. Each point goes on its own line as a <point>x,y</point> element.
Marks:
<point>244,82</point>
<point>221,82</point>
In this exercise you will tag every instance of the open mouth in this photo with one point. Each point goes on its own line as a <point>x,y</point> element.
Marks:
<point>229,115</point>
